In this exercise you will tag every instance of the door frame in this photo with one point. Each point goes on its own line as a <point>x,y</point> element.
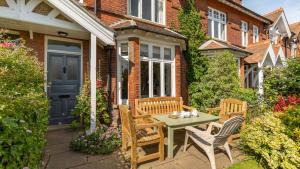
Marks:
<point>47,38</point>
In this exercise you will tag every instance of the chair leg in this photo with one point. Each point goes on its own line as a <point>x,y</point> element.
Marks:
<point>227,148</point>
<point>185,141</point>
<point>124,142</point>
<point>211,156</point>
<point>161,149</point>
<point>133,157</point>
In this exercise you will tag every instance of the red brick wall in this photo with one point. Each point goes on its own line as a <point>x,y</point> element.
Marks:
<point>37,43</point>
<point>234,18</point>
<point>178,73</point>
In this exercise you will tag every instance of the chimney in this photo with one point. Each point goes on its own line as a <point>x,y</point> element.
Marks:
<point>238,1</point>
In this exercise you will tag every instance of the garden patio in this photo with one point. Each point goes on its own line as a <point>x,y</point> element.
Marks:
<point>58,155</point>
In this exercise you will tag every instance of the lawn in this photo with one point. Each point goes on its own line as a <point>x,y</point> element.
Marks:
<point>246,165</point>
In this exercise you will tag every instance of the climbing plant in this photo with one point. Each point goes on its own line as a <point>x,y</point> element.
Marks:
<point>190,26</point>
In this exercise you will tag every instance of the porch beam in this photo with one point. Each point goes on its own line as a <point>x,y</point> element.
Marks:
<point>260,82</point>
<point>93,82</point>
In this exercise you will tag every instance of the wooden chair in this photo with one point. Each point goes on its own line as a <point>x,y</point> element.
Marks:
<point>135,134</point>
<point>208,142</point>
<point>160,105</point>
<point>229,108</point>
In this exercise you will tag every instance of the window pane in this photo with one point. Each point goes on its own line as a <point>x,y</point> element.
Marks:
<point>72,67</point>
<point>64,46</point>
<point>144,50</point>
<point>56,65</point>
<point>159,11</point>
<point>167,54</point>
<point>156,52</point>
<point>168,79</point>
<point>144,79</point>
<point>216,15</point>
<point>124,78</point>
<point>209,12</point>
<point>223,31</point>
<point>134,8</point>
<point>156,79</point>
<point>216,29</point>
<point>124,49</point>
<point>146,9</point>
<point>210,27</point>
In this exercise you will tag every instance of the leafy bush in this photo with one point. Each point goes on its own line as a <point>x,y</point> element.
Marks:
<point>23,108</point>
<point>103,141</point>
<point>82,108</point>
<point>282,82</point>
<point>285,104</point>
<point>221,81</point>
<point>292,121</point>
<point>266,140</point>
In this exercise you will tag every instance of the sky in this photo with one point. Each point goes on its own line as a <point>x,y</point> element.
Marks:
<point>291,7</point>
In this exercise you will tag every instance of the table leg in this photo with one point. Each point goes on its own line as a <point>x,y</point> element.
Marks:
<point>170,142</point>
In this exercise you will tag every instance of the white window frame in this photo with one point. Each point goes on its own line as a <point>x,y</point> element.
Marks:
<point>238,62</point>
<point>119,80</point>
<point>162,62</point>
<point>220,21</point>
<point>140,12</point>
<point>244,32</point>
<point>255,34</point>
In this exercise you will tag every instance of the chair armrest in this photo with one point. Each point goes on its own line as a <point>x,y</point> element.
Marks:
<point>211,110</point>
<point>213,124</point>
<point>139,111</point>
<point>142,116</point>
<point>149,125</point>
<point>190,109</point>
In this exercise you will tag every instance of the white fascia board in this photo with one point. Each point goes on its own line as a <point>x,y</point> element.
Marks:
<point>286,25</point>
<point>203,46</point>
<point>272,55</point>
<point>281,56</point>
<point>82,18</point>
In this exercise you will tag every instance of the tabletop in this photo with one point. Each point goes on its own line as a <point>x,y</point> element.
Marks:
<point>202,118</point>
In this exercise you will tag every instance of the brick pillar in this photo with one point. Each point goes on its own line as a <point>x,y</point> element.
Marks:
<point>178,71</point>
<point>134,71</point>
<point>242,71</point>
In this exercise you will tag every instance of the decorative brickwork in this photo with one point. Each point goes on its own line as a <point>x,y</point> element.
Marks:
<point>43,8</point>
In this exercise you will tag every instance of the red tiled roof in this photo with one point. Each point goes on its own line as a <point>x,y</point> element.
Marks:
<point>214,44</point>
<point>259,50</point>
<point>273,16</point>
<point>295,27</point>
<point>148,27</point>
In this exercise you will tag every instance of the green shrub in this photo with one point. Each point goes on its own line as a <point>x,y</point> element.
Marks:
<point>282,82</point>
<point>23,108</point>
<point>292,121</point>
<point>266,140</point>
<point>221,81</point>
<point>103,141</point>
<point>82,108</point>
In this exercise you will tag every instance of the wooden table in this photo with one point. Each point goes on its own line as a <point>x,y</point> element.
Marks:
<point>180,123</point>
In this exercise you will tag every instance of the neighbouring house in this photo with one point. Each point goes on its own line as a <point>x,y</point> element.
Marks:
<point>255,40</point>
<point>129,42</point>
<point>295,40</point>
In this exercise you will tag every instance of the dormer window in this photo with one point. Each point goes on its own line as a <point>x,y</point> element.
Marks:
<point>244,30</point>
<point>255,34</point>
<point>152,10</point>
<point>216,24</point>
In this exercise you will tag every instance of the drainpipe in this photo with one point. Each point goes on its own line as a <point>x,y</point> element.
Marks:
<point>96,7</point>
<point>109,108</point>
<point>285,46</point>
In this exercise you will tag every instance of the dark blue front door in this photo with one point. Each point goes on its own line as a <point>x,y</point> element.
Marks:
<point>63,86</point>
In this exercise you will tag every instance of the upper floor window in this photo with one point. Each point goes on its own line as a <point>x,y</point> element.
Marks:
<point>216,24</point>
<point>255,34</point>
<point>244,29</point>
<point>153,10</point>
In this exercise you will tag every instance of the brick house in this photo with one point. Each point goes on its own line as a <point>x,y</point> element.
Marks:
<point>130,44</point>
<point>256,40</point>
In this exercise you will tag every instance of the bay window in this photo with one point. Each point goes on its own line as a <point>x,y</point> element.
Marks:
<point>153,10</point>
<point>124,70</point>
<point>255,34</point>
<point>216,24</point>
<point>156,75</point>
<point>244,30</point>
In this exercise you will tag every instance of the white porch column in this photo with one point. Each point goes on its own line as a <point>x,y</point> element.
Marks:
<point>260,82</point>
<point>93,77</point>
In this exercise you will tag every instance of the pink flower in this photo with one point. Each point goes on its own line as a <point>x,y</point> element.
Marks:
<point>98,83</point>
<point>7,44</point>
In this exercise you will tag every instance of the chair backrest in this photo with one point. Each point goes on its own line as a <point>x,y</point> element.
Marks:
<point>229,128</point>
<point>228,106</point>
<point>127,120</point>
<point>159,105</point>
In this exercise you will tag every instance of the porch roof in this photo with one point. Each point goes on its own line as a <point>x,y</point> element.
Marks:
<point>215,44</point>
<point>147,27</point>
